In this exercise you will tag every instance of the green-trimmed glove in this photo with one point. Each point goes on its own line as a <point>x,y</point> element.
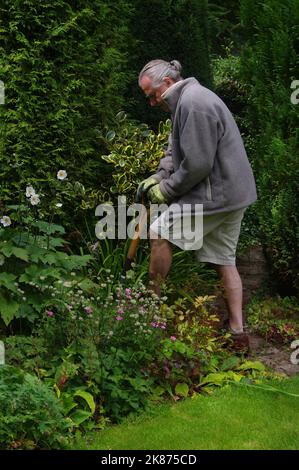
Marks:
<point>144,186</point>
<point>155,195</point>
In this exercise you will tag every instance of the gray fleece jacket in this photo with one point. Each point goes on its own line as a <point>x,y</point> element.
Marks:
<point>206,162</point>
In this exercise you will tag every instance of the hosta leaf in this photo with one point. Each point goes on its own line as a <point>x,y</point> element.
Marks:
<point>79,416</point>
<point>110,135</point>
<point>214,379</point>
<point>182,389</point>
<point>249,365</point>
<point>88,398</point>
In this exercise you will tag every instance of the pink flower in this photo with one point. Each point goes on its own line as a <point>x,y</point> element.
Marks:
<point>120,311</point>
<point>119,318</point>
<point>88,310</point>
<point>50,313</point>
<point>128,291</point>
<point>173,338</point>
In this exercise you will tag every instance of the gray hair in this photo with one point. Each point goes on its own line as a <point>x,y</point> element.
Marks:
<point>158,69</point>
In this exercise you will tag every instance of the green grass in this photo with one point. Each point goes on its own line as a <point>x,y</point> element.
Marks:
<point>232,418</point>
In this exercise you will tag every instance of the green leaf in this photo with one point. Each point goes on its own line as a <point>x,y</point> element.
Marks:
<point>36,253</point>
<point>110,135</point>
<point>87,285</point>
<point>88,398</point>
<point>8,309</point>
<point>121,116</point>
<point>20,253</point>
<point>182,389</point>
<point>214,379</point>
<point>6,250</point>
<point>34,273</point>
<point>249,365</point>
<point>46,227</point>
<point>230,363</point>
<point>68,402</point>
<point>9,250</point>
<point>8,280</point>
<point>79,416</point>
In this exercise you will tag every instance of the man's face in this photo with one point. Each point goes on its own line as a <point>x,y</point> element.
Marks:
<point>154,95</point>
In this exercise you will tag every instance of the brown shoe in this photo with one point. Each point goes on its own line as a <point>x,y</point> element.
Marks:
<point>240,341</point>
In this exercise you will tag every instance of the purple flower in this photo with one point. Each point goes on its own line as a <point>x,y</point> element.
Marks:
<point>173,338</point>
<point>120,311</point>
<point>88,310</point>
<point>50,313</point>
<point>119,318</point>
<point>128,291</point>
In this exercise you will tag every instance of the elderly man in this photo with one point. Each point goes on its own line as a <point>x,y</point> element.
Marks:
<point>206,163</point>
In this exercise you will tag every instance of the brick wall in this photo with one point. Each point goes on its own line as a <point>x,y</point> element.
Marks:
<point>252,267</point>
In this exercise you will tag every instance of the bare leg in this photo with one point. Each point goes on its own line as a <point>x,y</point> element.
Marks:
<point>233,295</point>
<point>160,263</point>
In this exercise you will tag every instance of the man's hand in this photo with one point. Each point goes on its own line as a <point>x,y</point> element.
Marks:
<point>155,195</point>
<point>144,186</point>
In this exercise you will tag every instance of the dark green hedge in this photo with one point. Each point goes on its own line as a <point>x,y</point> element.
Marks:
<point>269,64</point>
<point>167,29</point>
<point>64,66</point>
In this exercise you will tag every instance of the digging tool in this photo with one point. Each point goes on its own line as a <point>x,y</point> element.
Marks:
<point>135,241</point>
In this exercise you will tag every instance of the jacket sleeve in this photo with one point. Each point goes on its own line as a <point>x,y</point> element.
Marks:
<point>198,139</point>
<point>165,168</point>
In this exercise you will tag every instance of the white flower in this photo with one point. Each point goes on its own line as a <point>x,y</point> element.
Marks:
<point>5,221</point>
<point>35,199</point>
<point>2,260</point>
<point>59,204</point>
<point>30,191</point>
<point>61,174</point>
<point>67,284</point>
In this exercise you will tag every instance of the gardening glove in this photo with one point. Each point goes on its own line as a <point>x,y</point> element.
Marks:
<point>144,186</point>
<point>155,195</point>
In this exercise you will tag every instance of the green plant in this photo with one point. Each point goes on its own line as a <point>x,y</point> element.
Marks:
<point>277,319</point>
<point>268,66</point>
<point>193,348</point>
<point>30,414</point>
<point>151,26</point>
<point>64,66</point>
<point>134,153</point>
<point>101,341</point>
<point>33,257</point>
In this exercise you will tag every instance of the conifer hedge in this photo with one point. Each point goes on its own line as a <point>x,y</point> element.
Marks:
<point>269,65</point>
<point>64,66</point>
<point>164,29</point>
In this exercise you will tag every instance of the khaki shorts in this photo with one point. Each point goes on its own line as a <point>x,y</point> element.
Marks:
<point>219,235</point>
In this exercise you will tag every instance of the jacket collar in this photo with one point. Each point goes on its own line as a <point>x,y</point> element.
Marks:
<point>173,93</point>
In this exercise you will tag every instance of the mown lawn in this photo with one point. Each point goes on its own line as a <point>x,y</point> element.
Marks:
<point>232,418</point>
